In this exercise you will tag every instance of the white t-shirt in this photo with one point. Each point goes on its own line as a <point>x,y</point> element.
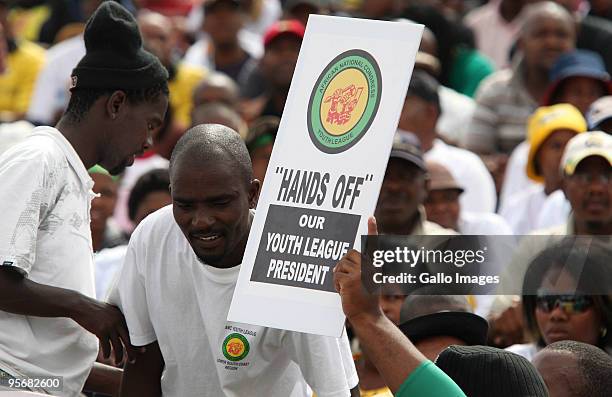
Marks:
<point>108,263</point>
<point>494,35</point>
<point>555,211</point>
<point>45,200</point>
<point>521,210</point>
<point>470,172</point>
<point>167,295</point>
<point>515,178</point>
<point>457,112</point>
<point>483,224</point>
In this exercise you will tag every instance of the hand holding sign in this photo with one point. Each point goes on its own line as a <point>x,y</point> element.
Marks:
<point>356,301</point>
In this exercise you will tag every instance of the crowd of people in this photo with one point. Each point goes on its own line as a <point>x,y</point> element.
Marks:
<point>135,136</point>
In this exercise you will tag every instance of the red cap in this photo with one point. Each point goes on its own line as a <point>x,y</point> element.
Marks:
<point>290,26</point>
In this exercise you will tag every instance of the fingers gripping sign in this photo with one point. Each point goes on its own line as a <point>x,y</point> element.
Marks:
<point>356,301</point>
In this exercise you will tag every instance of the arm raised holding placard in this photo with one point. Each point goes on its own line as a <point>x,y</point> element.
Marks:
<point>404,368</point>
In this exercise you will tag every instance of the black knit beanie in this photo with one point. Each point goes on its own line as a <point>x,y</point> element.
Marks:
<point>483,371</point>
<point>114,55</point>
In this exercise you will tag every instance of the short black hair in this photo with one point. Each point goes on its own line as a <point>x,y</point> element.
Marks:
<point>156,180</point>
<point>423,86</point>
<point>595,364</point>
<point>82,99</point>
<point>206,142</point>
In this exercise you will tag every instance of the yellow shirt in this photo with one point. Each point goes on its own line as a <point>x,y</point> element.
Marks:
<point>17,82</point>
<point>181,91</point>
<point>27,22</point>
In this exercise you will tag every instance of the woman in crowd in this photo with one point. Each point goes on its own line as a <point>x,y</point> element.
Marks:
<point>565,296</point>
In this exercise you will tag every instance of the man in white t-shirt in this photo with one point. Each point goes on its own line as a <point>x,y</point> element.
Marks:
<point>49,319</point>
<point>177,283</point>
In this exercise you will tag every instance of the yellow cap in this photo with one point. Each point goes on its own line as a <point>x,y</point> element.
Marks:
<point>543,122</point>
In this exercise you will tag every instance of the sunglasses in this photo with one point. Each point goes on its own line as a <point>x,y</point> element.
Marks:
<point>570,304</point>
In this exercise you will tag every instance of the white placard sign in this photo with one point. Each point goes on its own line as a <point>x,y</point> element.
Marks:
<point>325,172</point>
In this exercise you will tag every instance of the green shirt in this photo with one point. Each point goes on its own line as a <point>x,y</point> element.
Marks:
<point>427,380</point>
<point>468,70</point>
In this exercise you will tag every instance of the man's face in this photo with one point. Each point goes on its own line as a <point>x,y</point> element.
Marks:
<point>391,306</point>
<point>546,39</point>
<point>223,21</point>
<point>402,191</point>
<point>211,203</point>
<point>443,207</point>
<point>549,156</point>
<point>418,116</point>
<point>280,58</point>
<point>581,92</point>
<point>157,38</point>
<point>589,191</point>
<point>561,373</point>
<point>132,132</point>
<point>102,207</point>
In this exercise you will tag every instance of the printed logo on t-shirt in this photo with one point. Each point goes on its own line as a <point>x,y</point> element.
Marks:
<point>235,347</point>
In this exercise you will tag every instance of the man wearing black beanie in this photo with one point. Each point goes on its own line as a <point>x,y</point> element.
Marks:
<point>49,319</point>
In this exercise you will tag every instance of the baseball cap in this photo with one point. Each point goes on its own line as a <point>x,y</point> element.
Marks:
<point>577,63</point>
<point>406,146</point>
<point>440,177</point>
<point>600,111</point>
<point>544,121</point>
<point>288,26</point>
<point>592,143</point>
<point>484,371</point>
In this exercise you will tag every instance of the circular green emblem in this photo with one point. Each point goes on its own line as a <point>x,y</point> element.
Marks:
<point>235,347</point>
<point>344,101</point>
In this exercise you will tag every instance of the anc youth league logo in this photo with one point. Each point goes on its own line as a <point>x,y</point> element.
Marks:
<point>344,101</point>
<point>235,347</point>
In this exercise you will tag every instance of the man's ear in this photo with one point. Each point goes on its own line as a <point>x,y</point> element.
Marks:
<point>115,104</point>
<point>254,190</point>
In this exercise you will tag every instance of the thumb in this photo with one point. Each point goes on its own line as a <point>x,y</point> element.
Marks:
<point>372,227</point>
